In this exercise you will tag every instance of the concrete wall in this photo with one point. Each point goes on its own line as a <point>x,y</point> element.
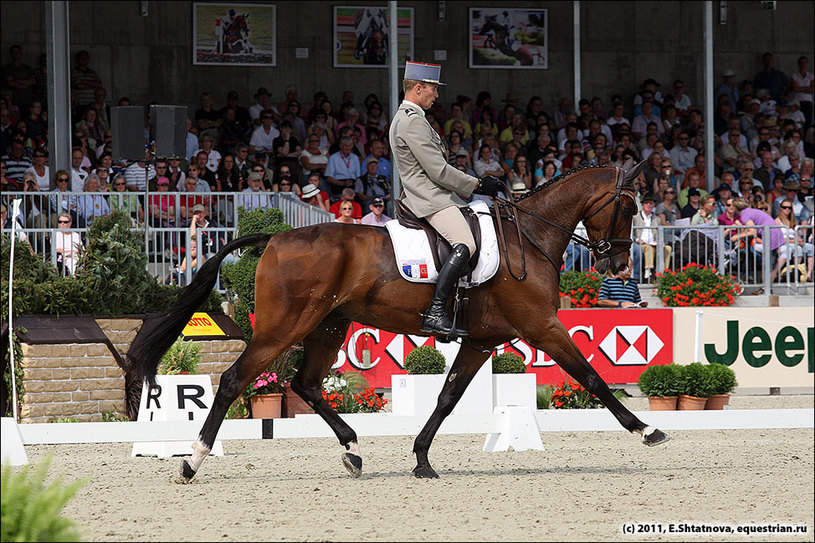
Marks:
<point>83,381</point>
<point>623,43</point>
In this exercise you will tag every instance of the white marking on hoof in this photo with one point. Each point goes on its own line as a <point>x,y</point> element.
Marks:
<point>199,452</point>
<point>353,448</point>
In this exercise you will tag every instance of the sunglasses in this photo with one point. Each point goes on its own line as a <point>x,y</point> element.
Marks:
<point>282,184</point>
<point>64,222</point>
<point>347,209</point>
<point>62,180</point>
<point>786,207</point>
<point>670,192</point>
<point>118,184</point>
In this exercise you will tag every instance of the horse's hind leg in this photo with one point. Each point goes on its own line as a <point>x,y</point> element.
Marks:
<point>320,349</point>
<point>466,365</point>
<point>234,380</point>
<point>561,348</point>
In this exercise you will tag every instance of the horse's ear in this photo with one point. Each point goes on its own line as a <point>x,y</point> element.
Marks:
<point>631,173</point>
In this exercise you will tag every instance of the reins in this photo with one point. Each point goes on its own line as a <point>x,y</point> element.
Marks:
<point>602,247</point>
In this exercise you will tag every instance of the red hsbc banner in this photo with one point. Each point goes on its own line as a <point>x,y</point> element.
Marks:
<point>618,343</point>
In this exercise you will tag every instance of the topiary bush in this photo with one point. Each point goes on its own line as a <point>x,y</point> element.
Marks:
<point>239,278</point>
<point>508,363</point>
<point>424,360</point>
<point>661,380</point>
<point>723,378</point>
<point>696,380</point>
<point>30,509</point>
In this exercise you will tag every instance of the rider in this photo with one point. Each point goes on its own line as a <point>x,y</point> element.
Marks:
<point>432,188</point>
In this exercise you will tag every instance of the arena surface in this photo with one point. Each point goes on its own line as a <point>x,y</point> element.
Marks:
<point>584,486</point>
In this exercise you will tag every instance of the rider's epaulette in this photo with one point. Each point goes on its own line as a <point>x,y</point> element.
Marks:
<point>410,112</point>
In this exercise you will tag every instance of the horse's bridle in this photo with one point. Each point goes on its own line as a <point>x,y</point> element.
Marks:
<point>602,247</point>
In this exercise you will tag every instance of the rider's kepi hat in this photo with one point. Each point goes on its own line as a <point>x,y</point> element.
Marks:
<point>420,71</point>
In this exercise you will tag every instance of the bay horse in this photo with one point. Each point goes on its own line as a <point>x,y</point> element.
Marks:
<point>312,282</point>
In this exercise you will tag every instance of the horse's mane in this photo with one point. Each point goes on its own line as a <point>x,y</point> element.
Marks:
<point>555,179</point>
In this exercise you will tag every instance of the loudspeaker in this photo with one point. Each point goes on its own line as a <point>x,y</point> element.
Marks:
<point>168,129</point>
<point>127,127</point>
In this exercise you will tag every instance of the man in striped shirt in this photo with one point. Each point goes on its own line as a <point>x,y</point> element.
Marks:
<point>620,291</point>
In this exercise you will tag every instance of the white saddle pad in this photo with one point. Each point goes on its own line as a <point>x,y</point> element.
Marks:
<point>415,259</point>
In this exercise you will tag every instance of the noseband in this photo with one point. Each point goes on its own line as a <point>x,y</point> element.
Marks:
<point>603,248</point>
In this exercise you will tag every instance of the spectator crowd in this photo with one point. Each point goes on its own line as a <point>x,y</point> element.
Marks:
<point>335,155</point>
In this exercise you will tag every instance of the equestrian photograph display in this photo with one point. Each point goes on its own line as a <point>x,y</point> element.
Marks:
<point>362,36</point>
<point>234,34</point>
<point>505,37</point>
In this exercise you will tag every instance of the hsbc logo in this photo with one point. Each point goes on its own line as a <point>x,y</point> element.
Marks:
<point>634,345</point>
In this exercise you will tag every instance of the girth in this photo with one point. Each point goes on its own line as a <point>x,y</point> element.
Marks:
<point>439,246</point>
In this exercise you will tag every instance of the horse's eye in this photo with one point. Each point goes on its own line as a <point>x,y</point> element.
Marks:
<point>629,211</point>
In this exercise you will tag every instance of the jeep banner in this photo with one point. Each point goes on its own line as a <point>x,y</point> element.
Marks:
<point>619,344</point>
<point>765,346</point>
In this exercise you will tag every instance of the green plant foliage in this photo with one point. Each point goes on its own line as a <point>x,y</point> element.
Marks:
<point>239,278</point>
<point>661,380</point>
<point>113,416</point>
<point>423,360</point>
<point>181,356</point>
<point>580,287</point>
<point>31,510</point>
<point>696,380</point>
<point>508,363</point>
<point>238,410</point>
<point>543,395</point>
<point>63,419</point>
<point>696,285</point>
<point>723,378</point>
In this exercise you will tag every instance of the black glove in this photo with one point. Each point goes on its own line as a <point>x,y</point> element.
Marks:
<point>488,186</point>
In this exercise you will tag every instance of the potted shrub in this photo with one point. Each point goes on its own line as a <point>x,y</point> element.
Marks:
<point>265,395</point>
<point>180,359</point>
<point>416,393</point>
<point>511,385</point>
<point>723,382</point>
<point>661,384</point>
<point>696,285</point>
<point>695,386</point>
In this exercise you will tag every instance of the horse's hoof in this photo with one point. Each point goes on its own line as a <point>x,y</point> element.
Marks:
<point>656,437</point>
<point>425,472</point>
<point>352,463</point>
<point>187,472</point>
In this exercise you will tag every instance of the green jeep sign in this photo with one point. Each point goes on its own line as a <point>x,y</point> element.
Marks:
<point>757,346</point>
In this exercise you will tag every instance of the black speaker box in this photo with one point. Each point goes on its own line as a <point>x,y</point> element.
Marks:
<point>168,129</point>
<point>127,127</point>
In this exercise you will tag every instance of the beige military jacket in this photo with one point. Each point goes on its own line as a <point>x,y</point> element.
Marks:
<point>429,182</point>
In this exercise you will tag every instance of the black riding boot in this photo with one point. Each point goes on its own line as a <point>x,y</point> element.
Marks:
<point>436,321</point>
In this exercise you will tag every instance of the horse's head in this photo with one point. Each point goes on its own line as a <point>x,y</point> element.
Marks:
<point>608,219</point>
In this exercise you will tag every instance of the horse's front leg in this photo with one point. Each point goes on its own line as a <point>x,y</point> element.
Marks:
<point>466,365</point>
<point>559,345</point>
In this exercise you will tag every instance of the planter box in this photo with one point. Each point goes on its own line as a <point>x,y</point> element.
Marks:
<point>477,399</point>
<point>416,395</point>
<point>518,389</point>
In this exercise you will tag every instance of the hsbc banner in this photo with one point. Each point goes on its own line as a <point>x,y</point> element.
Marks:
<point>618,343</point>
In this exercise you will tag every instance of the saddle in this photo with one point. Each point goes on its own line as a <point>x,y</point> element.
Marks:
<point>439,246</point>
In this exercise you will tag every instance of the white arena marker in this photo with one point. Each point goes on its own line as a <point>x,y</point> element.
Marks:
<point>13,450</point>
<point>175,398</point>
<point>520,431</point>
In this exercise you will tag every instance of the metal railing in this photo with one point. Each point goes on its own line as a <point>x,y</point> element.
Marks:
<point>168,240</point>
<point>675,247</point>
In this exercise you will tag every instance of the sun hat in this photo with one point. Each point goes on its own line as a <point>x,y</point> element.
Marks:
<point>198,207</point>
<point>310,191</point>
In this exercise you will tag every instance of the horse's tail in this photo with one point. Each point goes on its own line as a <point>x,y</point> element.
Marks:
<point>160,331</point>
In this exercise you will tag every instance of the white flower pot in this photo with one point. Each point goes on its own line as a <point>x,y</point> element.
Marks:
<point>415,395</point>
<point>518,389</point>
